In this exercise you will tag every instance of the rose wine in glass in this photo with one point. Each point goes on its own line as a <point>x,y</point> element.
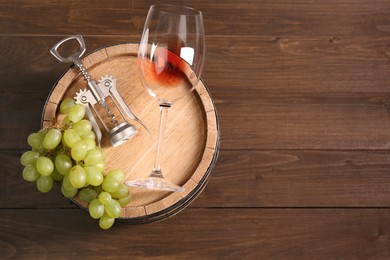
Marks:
<point>170,60</point>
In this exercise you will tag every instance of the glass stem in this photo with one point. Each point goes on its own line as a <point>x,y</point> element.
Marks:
<point>157,172</point>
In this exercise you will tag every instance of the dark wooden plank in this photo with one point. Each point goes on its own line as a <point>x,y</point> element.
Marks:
<point>304,64</point>
<point>244,178</point>
<point>295,178</point>
<point>258,120</point>
<point>201,234</point>
<point>263,120</point>
<point>17,193</point>
<point>301,64</point>
<point>309,97</point>
<point>228,18</point>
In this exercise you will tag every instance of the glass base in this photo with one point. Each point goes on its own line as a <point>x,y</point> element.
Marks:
<point>154,183</point>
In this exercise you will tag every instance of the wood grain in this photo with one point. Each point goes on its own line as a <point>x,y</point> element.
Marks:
<point>302,93</point>
<point>301,121</point>
<point>313,100</point>
<point>329,63</point>
<point>250,178</point>
<point>191,135</point>
<point>299,178</point>
<point>212,234</point>
<point>306,18</point>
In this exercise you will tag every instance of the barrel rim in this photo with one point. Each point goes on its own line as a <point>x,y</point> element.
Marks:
<point>180,204</point>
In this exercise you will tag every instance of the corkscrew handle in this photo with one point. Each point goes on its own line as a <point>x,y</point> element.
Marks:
<point>74,56</point>
<point>76,59</point>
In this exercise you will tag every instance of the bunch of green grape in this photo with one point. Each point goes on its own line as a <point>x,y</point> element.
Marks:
<point>68,154</point>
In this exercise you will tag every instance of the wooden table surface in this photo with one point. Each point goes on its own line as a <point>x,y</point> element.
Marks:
<point>302,90</point>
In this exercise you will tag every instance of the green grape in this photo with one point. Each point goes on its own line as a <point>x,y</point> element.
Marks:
<point>43,131</point>
<point>93,157</point>
<point>71,137</point>
<point>52,139</point>
<point>110,185</point>
<point>87,181</point>
<point>87,194</point>
<point>116,175</point>
<point>56,175</point>
<point>79,150</point>
<point>104,197</point>
<point>90,143</point>
<point>113,208</point>
<point>66,182</point>
<point>44,166</point>
<point>102,151</point>
<point>96,209</point>
<point>100,166</point>
<point>82,127</point>
<point>65,122</point>
<point>105,222</point>
<point>98,189</point>
<point>76,113</point>
<point>30,173</point>
<point>44,183</point>
<point>66,105</point>
<point>77,176</point>
<point>35,140</point>
<point>125,200</point>
<point>29,157</point>
<point>63,163</point>
<point>122,192</point>
<point>91,135</point>
<point>68,192</point>
<point>94,176</point>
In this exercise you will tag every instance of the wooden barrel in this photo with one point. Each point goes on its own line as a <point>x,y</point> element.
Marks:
<point>191,138</point>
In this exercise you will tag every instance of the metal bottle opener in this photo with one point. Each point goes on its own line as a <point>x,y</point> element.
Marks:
<point>97,93</point>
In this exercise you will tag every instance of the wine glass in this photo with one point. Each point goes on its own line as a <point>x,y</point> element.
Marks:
<point>170,60</point>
